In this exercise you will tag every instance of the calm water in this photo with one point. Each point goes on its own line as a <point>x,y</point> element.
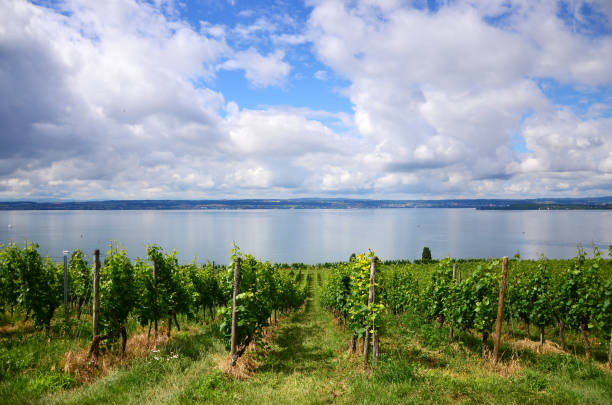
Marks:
<point>313,236</point>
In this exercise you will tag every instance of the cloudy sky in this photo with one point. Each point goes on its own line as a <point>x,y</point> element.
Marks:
<point>196,99</point>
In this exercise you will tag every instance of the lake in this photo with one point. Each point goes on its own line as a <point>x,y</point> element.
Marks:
<point>314,236</point>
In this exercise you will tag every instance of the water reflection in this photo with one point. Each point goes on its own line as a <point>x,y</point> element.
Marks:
<point>314,235</point>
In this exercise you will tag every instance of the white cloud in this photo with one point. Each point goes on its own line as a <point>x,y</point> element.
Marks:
<point>289,39</point>
<point>111,100</point>
<point>260,70</point>
<point>444,93</point>
<point>320,75</point>
<point>277,132</point>
<point>102,102</point>
<point>561,142</point>
<point>260,25</point>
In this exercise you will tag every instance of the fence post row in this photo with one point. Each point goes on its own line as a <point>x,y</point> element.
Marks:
<point>500,307</point>
<point>234,320</point>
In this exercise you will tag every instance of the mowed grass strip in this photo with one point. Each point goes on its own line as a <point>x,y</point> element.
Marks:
<point>305,362</point>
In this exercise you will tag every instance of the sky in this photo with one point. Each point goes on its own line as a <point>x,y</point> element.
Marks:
<point>205,99</point>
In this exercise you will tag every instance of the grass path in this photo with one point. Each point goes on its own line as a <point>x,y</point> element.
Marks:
<point>305,363</point>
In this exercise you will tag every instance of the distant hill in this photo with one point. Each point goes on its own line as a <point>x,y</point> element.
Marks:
<point>597,203</point>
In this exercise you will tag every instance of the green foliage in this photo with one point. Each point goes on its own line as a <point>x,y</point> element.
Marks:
<point>400,289</point>
<point>485,294</point>
<point>337,289</point>
<point>42,285</point>
<point>521,295</point>
<point>346,293</point>
<point>438,289</point>
<point>426,255</point>
<point>206,291</point>
<point>117,290</point>
<point>473,302</point>
<point>80,274</point>
<point>147,307</point>
<point>541,313</point>
<point>263,289</point>
<point>582,292</point>
<point>460,304</point>
<point>538,292</point>
<point>251,317</point>
<point>11,263</point>
<point>602,318</point>
<point>172,291</point>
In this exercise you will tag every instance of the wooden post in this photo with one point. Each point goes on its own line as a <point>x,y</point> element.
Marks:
<point>234,320</point>
<point>500,308</point>
<point>66,286</point>
<point>366,345</point>
<point>96,303</point>
<point>155,295</point>
<point>585,338</point>
<point>561,334</point>
<point>610,351</point>
<point>214,308</point>
<point>371,298</point>
<point>450,327</point>
<point>375,350</point>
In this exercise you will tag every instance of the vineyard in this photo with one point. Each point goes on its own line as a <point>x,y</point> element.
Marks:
<point>573,295</point>
<point>365,330</point>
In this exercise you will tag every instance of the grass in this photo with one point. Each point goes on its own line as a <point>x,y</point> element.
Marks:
<point>305,362</point>
<point>155,378</point>
<point>418,366</point>
<point>305,359</point>
<point>30,360</point>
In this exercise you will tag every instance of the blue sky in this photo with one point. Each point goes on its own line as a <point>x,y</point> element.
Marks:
<point>301,88</point>
<point>375,98</point>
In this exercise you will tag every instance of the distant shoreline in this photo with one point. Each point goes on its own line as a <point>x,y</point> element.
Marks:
<point>597,203</point>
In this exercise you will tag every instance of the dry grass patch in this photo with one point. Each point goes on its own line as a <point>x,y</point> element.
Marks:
<point>502,368</point>
<point>245,366</point>
<point>17,327</point>
<point>85,370</point>
<point>549,347</point>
